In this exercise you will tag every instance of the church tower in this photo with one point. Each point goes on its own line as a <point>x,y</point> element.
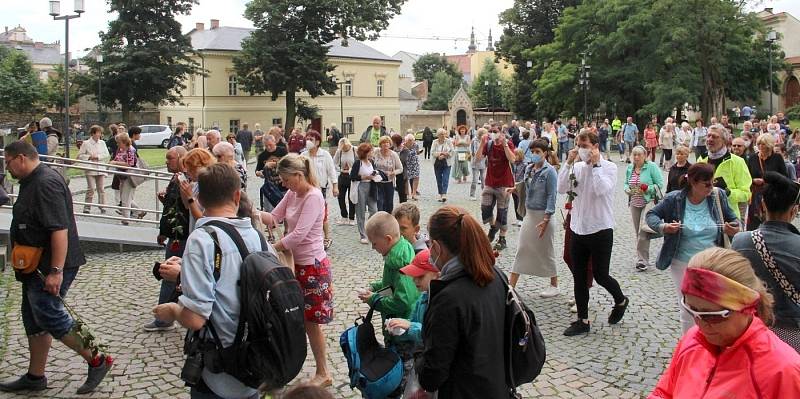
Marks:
<point>490,47</point>
<point>472,46</point>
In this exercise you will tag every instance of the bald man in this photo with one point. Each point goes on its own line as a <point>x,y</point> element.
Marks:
<point>374,132</point>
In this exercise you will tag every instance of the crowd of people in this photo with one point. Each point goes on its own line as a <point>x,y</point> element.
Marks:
<point>725,220</point>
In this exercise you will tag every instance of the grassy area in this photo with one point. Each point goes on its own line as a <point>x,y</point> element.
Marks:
<point>154,157</point>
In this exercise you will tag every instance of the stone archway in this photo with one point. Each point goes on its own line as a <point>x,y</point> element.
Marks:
<point>460,110</point>
<point>792,90</point>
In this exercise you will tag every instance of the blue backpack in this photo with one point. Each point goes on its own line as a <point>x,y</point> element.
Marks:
<point>375,370</point>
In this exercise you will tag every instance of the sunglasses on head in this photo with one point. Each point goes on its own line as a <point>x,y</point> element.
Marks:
<point>708,317</point>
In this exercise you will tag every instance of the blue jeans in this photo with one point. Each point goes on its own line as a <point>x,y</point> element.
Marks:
<point>168,287</point>
<point>442,178</point>
<point>563,149</point>
<point>43,312</point>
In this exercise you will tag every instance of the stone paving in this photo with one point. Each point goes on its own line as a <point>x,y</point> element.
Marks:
<point>115,293</point>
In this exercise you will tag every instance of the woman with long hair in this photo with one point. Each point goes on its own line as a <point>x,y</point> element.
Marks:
<point>302,209</point>
<point>774,251</point>
<point>463,334</point>
<point>731,352</point>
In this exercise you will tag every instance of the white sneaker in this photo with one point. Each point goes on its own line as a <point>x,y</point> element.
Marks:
<point>571,301</point>
<point>574,309</point>
<point>549,292</point>
<point>473,198</point>
<point>364,241</point>
<point>519,223</point>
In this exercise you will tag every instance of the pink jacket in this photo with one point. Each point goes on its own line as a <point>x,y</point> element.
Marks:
<point>757,365</point>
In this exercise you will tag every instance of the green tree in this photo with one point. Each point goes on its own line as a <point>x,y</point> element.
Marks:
<point>428,64</point>
<point>288,51</point>
<point>529,23</point>
<point>484,90</point>
<point>146,58</point>
<point>444,87</point>
<point>53,93</point>
<point>20,89</point>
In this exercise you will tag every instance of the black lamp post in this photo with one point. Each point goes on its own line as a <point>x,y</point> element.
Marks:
<point>771,38</point>
<point>55,12</point>
<point>585,73</point>
<point>99,87</point>
<point>491,97</point>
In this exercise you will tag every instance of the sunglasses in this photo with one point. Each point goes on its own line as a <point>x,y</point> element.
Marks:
<point>708,317</point>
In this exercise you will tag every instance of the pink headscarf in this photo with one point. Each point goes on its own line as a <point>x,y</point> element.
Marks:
<point>720,290</point>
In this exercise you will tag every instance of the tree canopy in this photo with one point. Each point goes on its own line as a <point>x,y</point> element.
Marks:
<point>53,93</point>
<point>288,51</point>
<point>20,89</point>
<point>485,91</point>
<point>444,88</point>
<point>146,58</point>
<point>428,64</point>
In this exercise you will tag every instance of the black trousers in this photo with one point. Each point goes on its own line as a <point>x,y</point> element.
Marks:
<point>385,197</point>
<point>427,147</point>
<point>344,198</point>
<point>597,247</point>
<point>400,184</point>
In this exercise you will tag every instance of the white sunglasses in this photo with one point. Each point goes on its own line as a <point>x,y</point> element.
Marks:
<point>708,317</point>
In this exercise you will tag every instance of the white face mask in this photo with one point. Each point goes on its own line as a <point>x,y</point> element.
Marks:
<point>310,144</point>
<point>584,154</point>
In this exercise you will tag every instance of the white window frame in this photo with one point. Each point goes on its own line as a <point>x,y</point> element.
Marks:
<point>379,86</point>
<point>233,86</point>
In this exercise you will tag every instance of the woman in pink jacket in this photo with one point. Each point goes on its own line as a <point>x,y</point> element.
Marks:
<point>730,353</point>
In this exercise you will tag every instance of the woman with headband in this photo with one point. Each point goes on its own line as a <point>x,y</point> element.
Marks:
<point>731,352</point>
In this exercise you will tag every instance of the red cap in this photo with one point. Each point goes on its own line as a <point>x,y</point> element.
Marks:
<point>420,265</point>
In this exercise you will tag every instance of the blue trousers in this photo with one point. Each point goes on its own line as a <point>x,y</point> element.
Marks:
<point>442,178</point>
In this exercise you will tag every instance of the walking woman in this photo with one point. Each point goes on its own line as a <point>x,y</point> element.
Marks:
<point>325,174</point>
<point>699,140</point>
<point>765,161</point>
<point>643,182</point>
<point>461,163</point>
<point>463,333</point>
<point>442,151</point>
<point>343,160</point>
<point>666,140</point>
<point>536,254</point>
<point>125,158</point>
<point>400,180</point>
<point>95,150</point>
<point>478,163</point>
<point>651,141</point>
<point>731,353</point>
<point>303,210</point>
<point>362,179</point>
<point>774,252</point>
<point>690,221</point>
<point>411,168</point>
<point>389,163</point>
<point>427,141</point>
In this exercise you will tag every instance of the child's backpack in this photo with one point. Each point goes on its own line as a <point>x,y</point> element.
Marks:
<point>270,344</point>
<point>376,371</point>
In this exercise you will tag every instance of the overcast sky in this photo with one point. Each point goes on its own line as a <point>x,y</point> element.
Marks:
<point>419,18</point>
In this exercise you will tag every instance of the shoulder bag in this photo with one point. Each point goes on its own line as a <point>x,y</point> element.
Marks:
<point>726,241</point>
<point>769,262</point>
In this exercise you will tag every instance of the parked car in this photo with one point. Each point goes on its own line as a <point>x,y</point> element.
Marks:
<point>154,135</point>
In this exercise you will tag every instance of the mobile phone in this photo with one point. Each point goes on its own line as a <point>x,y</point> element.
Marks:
<point>386,292</point>
<point>156,271</point>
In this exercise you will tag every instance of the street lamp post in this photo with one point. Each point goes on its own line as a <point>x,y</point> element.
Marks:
<point>55,12</point>
<point>585,73</point>
<point>491,97</point>
<point>771,38</point>
<point>99,87</point>
<point>341,102</point>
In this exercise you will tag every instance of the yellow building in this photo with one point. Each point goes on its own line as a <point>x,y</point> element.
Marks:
<point>370,88</point>
<point>471,64</point>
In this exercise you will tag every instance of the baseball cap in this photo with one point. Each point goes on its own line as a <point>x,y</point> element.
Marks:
<point>420,265</point>
<point>45,122</point>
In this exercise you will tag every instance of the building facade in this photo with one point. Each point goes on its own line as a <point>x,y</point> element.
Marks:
<point>369,87</point>
<point>787,28</point>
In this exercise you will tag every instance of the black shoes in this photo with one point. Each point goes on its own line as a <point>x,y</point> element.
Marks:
<point>641,267</point>
<point>577,327</point>
<point>501,244</point>
<point>24,383</point>
<point>618,311</point>
<point>96,375</point>
<point>492,233</point>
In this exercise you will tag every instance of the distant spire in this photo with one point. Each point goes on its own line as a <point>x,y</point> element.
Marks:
<point>490,47</point>
<point>472,46</point>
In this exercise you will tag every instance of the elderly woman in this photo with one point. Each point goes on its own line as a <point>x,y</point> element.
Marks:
<point>461,164</point>
<point>194,161</point>
<point>126,158</point>
<point>684,135</point>
<point>225,153</point>
<point>679,169</point>
<point>400,180</point>
<point>643,183</point>
<point>343,160</point>
<point>478,163</point>
<point>765,161</point>
<point>95,150</point>
<point>691,221</point>
<point>411,168</point>
<point>325,173</point>
<point>666,140</point>
<point>699,140</point>
<point>731,352</point>
<point>442,151</point>
<point>363,176</point>
<point>774,252</point>
<point>389,163</point>
<point>238,153</point>
<point>272,190</point>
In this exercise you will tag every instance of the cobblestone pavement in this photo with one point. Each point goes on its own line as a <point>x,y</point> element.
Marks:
<point>115,293</point>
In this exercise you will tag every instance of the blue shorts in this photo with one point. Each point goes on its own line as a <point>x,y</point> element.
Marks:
<point>43,312</point>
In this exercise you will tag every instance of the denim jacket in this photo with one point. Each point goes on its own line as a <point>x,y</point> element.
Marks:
<point>672,209</point>
<point>540,188</point>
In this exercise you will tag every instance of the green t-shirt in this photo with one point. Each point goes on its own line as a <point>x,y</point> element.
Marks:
<point>616,124</point>
<point>375,136</point>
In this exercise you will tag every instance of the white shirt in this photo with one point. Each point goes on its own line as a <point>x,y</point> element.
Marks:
<point>593,208</point>
<point>326,172</point>
<point>91,148</point>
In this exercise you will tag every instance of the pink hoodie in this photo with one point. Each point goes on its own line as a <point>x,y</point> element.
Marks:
<point>757,365</point>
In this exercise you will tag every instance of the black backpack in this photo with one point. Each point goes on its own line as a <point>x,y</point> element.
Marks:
<point>270,344</point>
<point>524,345</point>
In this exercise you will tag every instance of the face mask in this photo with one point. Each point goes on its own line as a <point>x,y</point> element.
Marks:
<point>747,143</point>
<point>431,259</point>
<point>536,158</point>
<point>584,154</point>
<point>309,144</point>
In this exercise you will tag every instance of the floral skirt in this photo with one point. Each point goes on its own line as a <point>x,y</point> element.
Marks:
<point>317,284</point>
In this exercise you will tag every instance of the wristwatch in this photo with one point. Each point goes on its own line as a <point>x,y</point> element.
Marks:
<point>56,270</point>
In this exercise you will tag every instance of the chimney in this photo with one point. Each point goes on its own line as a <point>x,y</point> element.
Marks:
<point>214,23</point>
<point>768,9</point>
<point>38,45</point>
<point>199,26</point>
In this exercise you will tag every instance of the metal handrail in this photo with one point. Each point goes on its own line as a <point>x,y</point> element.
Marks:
<point>70,161</point>
<point>109,217</point>
<point>101,168</point>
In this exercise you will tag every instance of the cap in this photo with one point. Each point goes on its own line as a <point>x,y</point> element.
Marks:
<point>45,122</point>
<point>420,265</point>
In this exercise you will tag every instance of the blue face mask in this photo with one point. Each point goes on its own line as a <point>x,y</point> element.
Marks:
<point>536,158</point>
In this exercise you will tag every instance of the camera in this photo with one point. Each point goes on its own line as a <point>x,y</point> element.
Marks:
<point>192,371</point>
